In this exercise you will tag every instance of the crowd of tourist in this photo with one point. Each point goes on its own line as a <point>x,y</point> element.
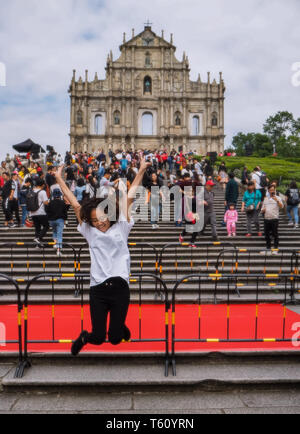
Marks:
<point>29,185</point>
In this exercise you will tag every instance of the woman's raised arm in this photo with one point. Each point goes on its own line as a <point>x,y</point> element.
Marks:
<point>136,183</point>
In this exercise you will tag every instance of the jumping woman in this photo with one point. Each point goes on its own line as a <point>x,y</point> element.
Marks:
<point>110,263</point>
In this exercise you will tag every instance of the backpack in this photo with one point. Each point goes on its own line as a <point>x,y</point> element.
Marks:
<point>294,197</point>
<point>263,180</point>
<point>32,201</point>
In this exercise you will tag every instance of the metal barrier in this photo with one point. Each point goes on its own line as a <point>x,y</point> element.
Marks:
<point>296,271</point>
<point>20,368</point>
<point>254,261</point>
<point>284,282</point>
<point>195,263</point>
<point>40,264</point>
<point>54,278</point>
<point>142,260</point>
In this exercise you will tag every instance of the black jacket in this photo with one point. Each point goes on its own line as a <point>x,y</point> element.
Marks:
<point>232,192</point>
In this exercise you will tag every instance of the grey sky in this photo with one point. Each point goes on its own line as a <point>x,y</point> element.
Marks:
<point>254,43</point>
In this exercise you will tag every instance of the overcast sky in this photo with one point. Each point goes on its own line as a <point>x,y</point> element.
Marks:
<point>254,42</point>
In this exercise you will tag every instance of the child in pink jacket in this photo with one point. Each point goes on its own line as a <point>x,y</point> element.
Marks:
<point>231,218</point>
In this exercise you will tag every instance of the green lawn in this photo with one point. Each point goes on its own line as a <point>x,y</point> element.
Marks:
<point>277,169</point>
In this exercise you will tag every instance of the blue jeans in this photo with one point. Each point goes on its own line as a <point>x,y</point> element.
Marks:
<point>58,229</point>
<point>156,210</point>
<point>171,166</point>
<point>295,212</point>
<point>24,214</point>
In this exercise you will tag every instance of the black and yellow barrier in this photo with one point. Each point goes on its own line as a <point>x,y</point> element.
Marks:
<point>23,260</point>
<point>181,258</point>
<point>21,365</point>
<point>147,260</point>
<point>284,282</point>
<point>56,278</point>
<point>254,261</point>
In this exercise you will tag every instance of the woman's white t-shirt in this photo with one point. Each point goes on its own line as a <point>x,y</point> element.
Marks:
<point>109,251</point>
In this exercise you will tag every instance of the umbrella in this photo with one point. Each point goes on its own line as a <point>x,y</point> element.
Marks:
<point>28,146</point>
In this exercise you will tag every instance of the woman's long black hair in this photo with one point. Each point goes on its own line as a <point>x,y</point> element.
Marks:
<point>88,205</point>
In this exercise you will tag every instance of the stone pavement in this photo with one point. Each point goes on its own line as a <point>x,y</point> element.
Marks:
<point>197,402</point>
<point>264,397</point>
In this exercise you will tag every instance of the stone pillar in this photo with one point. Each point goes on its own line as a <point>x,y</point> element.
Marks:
<point>134,132</point>
<point>110,118</point>
<point>208,117</point>
<point>162,118</point>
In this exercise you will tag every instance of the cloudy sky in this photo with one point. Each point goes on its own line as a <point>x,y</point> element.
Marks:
<point>254,42</point>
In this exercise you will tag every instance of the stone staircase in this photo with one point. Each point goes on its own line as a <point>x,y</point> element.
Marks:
<point>23,262</point>
<point>237,382</point>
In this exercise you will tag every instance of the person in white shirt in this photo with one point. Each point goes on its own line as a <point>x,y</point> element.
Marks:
<point>106,185</point>
<point>110,263</point>
<point>270,209</point>
<point>198,168</point>
<point>39,217</point>
<point>257,177</point>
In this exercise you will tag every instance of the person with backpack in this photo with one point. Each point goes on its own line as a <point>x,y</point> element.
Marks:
<point>293,200</point>
<point>80,190</point>
<point>57,215</point>
<point>26,187</point>
<point>7,196</point>
<point>36,202</point>
<point>261,181</point>
<point>14,201</point>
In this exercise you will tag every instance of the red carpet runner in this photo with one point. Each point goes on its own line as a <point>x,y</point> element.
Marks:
<point>213,326</point>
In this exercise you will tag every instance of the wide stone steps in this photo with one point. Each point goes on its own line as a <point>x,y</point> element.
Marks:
<point>144,259</point>
<point>132,372</point>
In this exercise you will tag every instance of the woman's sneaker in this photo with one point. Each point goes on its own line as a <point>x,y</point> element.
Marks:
<point>266,253</point>
<point>127,334</point>
<point>79,344</point>
<point>290,224</point>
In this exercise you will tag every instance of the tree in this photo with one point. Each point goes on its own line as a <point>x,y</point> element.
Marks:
<point>289,147</point>
<point>282,125</point>
<point>252,143</point>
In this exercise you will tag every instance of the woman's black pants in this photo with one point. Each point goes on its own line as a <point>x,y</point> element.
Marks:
<point>112,296</point>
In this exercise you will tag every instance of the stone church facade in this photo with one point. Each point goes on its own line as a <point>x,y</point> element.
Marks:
<point>147,101</point>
